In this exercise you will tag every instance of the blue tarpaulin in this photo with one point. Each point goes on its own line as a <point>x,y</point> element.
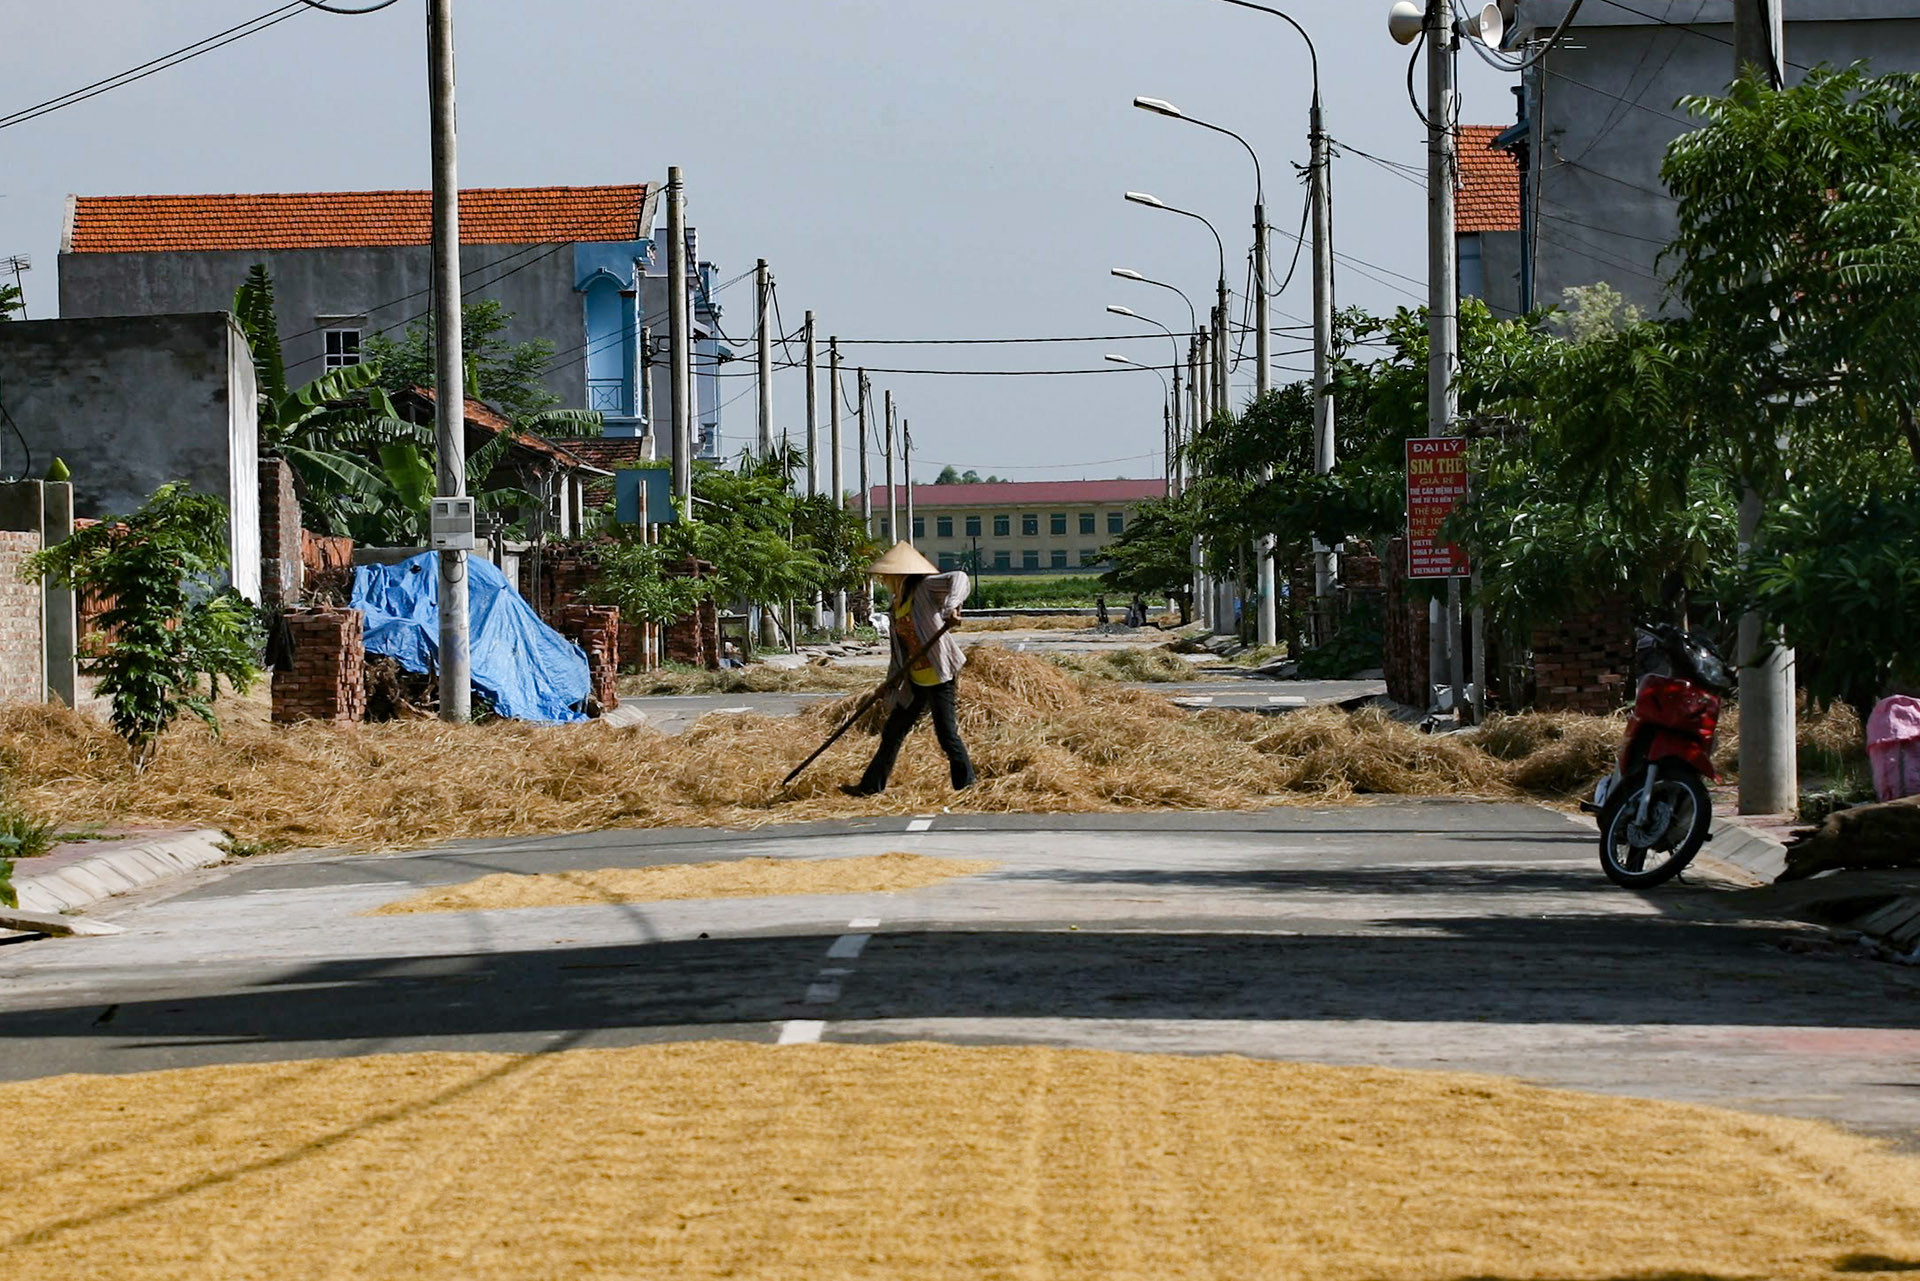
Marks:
<point>524,668</point>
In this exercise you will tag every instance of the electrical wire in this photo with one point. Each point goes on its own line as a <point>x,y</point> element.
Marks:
<point>154,66</point>
<point>1693,30</point>
<point>1512,65</point>
<point>1605,231</point>
<point>1631,102</point>
<point>998,342</point>
<point>351,13</point>
<point>1299,240</point>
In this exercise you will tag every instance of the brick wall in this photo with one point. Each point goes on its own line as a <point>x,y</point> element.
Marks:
<point>280,535</point>
<point>324,677</point>
<point>595,629</point>
<point>1584,663</point>
<point>22,643</point>
<point>1404,631</point>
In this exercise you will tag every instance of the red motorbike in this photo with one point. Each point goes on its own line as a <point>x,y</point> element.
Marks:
<point>1654,810</point>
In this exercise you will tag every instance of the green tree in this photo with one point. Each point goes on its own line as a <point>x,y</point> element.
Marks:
<point>506,375</point>
<point>949,475</point>
<point>1153,555</point>
<point>176,632</point>
<point>12,302</point>
<point>253,307</point>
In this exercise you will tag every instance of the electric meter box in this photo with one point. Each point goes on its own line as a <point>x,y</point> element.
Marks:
<point>452,527</point>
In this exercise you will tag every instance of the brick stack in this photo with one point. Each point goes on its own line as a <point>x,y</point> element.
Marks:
<point>327,567</point>
<point>595,629</point>
<point>1585,662</point>
<point>565,575</point>
<point>1404,631</point>
<point>22,656</point>
<point>326,675</point>
<point>695,639</point>
<point>1359,567</point>
<point>280,535</point>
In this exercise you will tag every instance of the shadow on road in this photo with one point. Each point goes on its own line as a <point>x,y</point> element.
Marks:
<point>1598,971</point>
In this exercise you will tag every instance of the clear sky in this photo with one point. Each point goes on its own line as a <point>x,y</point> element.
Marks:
<point>910,168</point>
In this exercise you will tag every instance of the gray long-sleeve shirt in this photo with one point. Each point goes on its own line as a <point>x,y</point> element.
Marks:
<point>934,602</point>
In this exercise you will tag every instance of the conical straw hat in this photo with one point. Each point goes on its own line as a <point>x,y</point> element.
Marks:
<point>902,560</point>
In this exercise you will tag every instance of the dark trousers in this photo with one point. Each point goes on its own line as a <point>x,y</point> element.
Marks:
<point>946,728</point>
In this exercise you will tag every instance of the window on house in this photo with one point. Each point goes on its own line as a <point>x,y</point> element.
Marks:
<point>944,526</point>
<point>1030,560</point>
<point>1002,526</point>
<point>886,530</point>
<point>919,526</point>
<point>1116,522</point>
<point>343,348</point>
<point>1030,525</point>
<point>1059,559</point>
<point>1089,556</point>
<point>948,562</point>
<point>1003,560</point>
<point>973,527</point>
<point>1057,523</point>
<point>1086,522</point>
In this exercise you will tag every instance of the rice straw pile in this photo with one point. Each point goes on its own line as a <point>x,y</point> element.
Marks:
<point>1042,741</point>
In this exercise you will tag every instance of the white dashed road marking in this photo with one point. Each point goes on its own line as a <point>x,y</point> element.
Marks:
<point>825,989</point>
<point>919,825</point>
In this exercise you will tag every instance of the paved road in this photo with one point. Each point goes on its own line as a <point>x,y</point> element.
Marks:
<point>1460,936</point>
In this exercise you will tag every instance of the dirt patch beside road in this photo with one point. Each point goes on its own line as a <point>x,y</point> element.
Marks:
<point>716,1159</point>
<point>742,878</point>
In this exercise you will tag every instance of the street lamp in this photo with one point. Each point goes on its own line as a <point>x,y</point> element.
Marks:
<point>1169,444</point>
<point>1193,317</point>
<point>1220,316</point>
<point>1173,403</point>
<point>1268,621</point>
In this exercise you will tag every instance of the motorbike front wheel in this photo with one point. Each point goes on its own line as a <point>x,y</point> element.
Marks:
<point>1638,854</point>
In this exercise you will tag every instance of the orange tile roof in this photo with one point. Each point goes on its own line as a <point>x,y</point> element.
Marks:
<point>350,219</point>
<point>1489,195</point>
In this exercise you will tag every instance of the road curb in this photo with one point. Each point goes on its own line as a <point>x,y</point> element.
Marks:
<point>129,865</point>
<point>1755,853</point>
<point>1894,922</point>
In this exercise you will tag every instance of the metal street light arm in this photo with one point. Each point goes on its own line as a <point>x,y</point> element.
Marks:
<point>1171,112</point>
<point>1313,54</point>
<point>1154,202</point>
<point>1193,317</point>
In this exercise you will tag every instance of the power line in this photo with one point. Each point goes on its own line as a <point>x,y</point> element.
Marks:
<point>988,342</point>
<point>1664,115</point>
<point>154,66</point>
<point>1690,28</point>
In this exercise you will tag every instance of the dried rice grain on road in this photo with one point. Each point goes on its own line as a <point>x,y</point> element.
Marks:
<point>743,878</point>
<point>723,1159</point>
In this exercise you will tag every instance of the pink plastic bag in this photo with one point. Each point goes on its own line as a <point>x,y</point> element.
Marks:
<point>1893,746</point>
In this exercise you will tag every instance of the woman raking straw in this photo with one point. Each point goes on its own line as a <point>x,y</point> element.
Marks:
<point>923,602</point>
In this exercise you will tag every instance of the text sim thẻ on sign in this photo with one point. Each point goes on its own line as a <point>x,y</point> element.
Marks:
<point>1436,484</point>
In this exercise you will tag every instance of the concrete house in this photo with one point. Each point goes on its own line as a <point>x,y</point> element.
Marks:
<point>577,266</point>
<point>1601,111</point>
<point>1487,221</point>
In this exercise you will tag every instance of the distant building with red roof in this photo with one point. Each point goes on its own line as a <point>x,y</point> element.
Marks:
<point>1487,220</point>
<point>1015,527</point>
<point>577,267</point>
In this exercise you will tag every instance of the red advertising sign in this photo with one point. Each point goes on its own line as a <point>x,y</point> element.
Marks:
<point>1436,484</point>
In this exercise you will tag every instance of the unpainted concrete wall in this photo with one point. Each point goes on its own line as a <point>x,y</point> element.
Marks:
<point>133,402</point>
<point>1602,212</point>
<point>368,289</point>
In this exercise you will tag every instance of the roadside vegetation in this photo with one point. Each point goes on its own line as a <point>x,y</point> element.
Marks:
<point>1612,451</point>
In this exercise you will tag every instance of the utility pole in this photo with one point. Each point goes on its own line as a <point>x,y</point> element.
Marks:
<point>893,505</point>
<point>862,394</point>
<point>1320,192</point>
<point>649,435</point>
<point>813,412</point>
<point>763,311</point>
<point>1201,380</point>
<point>1443,289</point>
<point>679,339</point>
<point>1268,626</point>
<point>906,470</point>
<point>450,380</point>
<point>1173,468</point>
<point>1769,772</point>
<point>1224,589</point>
<point>836,470</point>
